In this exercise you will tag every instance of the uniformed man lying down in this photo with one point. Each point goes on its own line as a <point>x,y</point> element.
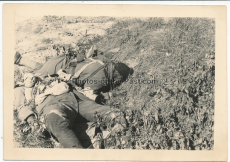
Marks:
<point>62,100</point>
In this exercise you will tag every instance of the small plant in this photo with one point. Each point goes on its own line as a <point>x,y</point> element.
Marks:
<point>47,41</point>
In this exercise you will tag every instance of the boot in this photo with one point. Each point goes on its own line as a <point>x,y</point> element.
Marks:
<point>33,124</point>
<point>115,116</point>
<point>113,120</point>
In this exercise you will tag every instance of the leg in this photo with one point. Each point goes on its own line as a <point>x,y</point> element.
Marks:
<point>18,59</point>
<point>59,122</point>
<point>19,99</point>
<point>88,108</point>
<point>29,63</point>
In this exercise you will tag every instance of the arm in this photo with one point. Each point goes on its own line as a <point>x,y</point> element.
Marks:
<point>98,98</point>
<point>25,112</point>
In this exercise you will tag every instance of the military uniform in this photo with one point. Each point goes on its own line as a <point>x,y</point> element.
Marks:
<point>61,111</point>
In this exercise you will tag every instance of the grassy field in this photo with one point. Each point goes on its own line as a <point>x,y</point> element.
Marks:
<point>175,111</point>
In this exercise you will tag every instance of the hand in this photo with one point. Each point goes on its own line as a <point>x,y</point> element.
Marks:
<point>89,93</point>
<point>64,76</point>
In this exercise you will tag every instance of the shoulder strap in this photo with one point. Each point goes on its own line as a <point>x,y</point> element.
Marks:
<point>108,69</point>
<point>100,62</point>
<point>101,67</point>
<point>76,75</point>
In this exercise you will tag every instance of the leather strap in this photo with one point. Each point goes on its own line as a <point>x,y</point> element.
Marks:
<point>108,69</point>
<point>77,74</point>
<point>95,72</point>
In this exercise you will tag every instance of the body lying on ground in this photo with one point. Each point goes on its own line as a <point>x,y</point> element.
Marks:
<point>62,103</point>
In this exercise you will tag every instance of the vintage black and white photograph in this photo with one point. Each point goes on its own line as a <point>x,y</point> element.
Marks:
<point>111,84</point>
<point>114,83</point>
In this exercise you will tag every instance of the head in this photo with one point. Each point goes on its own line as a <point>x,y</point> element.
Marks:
<point>81,55</point>
<point>72,50</point>
<point>121,73</point>
<point>29,80</point>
